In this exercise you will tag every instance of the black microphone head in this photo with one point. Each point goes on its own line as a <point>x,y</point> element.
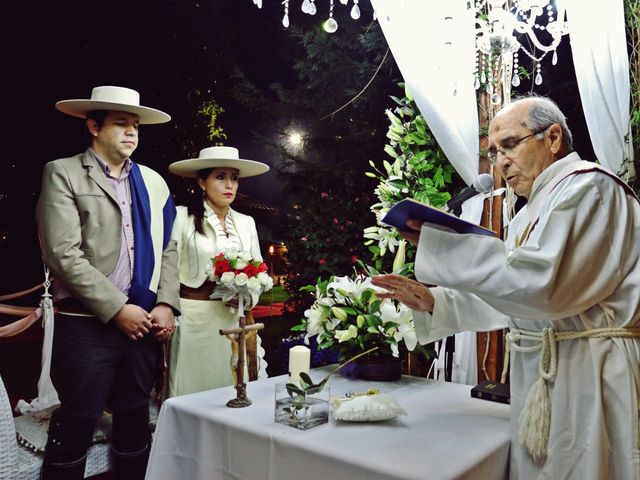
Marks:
<point>484,183</point>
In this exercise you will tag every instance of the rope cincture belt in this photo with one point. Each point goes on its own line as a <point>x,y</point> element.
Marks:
<point>536,415</point>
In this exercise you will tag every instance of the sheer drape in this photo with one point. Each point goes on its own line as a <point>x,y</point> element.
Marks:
<point>433,43</point>
<point>599,48</point>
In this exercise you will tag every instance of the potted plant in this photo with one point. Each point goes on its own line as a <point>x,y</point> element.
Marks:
<point>348,317</point>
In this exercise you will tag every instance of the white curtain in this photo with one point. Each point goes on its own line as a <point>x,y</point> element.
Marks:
<point>433,43</point>
<point>599,48</point>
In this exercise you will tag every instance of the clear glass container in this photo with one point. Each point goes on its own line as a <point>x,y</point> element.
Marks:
<point>301,411</point>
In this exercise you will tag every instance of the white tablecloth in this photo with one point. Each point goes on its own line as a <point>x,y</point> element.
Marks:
<point>446,435</point>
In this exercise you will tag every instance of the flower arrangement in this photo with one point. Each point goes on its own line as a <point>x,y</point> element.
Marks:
<point>348,316</point>
<point>239,276</point>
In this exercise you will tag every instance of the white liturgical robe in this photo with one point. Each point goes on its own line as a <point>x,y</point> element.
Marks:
<point>579,269</point>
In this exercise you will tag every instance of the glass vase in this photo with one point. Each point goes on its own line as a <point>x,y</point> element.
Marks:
<point>301,411</point>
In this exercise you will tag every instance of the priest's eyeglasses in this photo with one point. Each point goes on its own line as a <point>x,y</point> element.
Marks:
<point>510,146</point>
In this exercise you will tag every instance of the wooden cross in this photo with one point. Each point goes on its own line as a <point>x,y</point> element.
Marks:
<point>241,399</point>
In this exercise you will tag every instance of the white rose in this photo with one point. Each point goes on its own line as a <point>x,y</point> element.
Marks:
<point>227,278</point>
<point>241,279</point>
<point>231,254</point>
<point>263,277</point>
<point>253,284</point>
<point>244,256</point>
<point>269,284</point>
<point>240,264</point>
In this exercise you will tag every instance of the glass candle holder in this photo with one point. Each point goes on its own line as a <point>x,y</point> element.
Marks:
<point>301,411</point>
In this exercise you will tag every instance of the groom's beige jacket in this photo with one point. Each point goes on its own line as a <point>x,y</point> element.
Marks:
<point>79,225</point>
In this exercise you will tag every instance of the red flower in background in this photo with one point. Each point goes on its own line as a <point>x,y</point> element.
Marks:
<point>263,267</point>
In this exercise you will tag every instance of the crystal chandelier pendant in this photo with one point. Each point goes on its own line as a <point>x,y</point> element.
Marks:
<point>305,6</point>
<point>355,11</point>
<point>257,3</point>
<point>515,80</point>
<point>538,79</point>
<point>476,83</point>
<point>285,19</point>
<point>496,99</point>
<point>554,59</point>
<point>330,26</point>
<point>344,2</point>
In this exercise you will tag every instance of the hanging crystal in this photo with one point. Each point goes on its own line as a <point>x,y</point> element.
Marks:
<point>306,4</point>
<point>285,19</point>
<point>538,79</point>
<point>476,83</point>
<point>515,80</point>
<point>258,3</point>
<point>496,99</point>
<point>554,59</point>
<point>344,2</point>
<point>355,10</point>
<point>330,25</point>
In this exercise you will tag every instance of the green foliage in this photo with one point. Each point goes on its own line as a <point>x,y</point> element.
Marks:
<point>211,111</point>
<point>417,169</point>
<point>632,19</point>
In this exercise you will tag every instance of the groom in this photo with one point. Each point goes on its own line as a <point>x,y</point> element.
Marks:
<point>105,224</point>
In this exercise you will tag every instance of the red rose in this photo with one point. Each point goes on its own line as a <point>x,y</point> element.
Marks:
<point>322,261</point>
<point>251,270</point>
<point>222,266</point>
<point>263,267</point>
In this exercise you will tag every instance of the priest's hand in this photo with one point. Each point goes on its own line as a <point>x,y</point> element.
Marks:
<point>413,294</point>
<point>412,233</point>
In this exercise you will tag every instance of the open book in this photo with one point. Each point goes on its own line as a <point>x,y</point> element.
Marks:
<point>408,208</point>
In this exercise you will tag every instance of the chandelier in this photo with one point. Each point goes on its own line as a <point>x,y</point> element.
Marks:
<point>541,23</point>
<point>308,7</point>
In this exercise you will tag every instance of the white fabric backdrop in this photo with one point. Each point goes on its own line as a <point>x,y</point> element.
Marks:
<point>433,43</point>
<point>599,48</point>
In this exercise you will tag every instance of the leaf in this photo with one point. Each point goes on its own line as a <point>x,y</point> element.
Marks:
<point>304,376</point>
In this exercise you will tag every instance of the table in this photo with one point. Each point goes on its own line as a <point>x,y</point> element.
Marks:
<point>446,434</point>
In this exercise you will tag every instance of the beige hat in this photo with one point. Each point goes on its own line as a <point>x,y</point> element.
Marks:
<point>218,157</point>
<point>119,99</point>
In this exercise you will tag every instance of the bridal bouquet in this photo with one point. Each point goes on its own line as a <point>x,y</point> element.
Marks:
<point>238,276</point>
<point>348,317</point>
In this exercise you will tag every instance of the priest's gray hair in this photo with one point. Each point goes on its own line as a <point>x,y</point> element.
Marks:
<point>543,113</point>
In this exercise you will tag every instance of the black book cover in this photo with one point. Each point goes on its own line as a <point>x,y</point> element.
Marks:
<point>493,391</point>
<point>398,215</point>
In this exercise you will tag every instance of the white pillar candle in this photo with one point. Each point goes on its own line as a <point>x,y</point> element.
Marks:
<point>299,361</point>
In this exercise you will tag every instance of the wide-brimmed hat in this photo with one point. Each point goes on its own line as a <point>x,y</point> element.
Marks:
<point>119,99</point>
<point>218,157</point>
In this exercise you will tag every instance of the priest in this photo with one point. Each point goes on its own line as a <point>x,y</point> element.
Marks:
<point>566,282</point>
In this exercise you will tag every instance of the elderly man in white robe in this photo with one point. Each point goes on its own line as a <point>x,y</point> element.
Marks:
<point>566,282</point>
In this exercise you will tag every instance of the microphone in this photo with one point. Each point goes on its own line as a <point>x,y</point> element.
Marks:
<point>482,184</point>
